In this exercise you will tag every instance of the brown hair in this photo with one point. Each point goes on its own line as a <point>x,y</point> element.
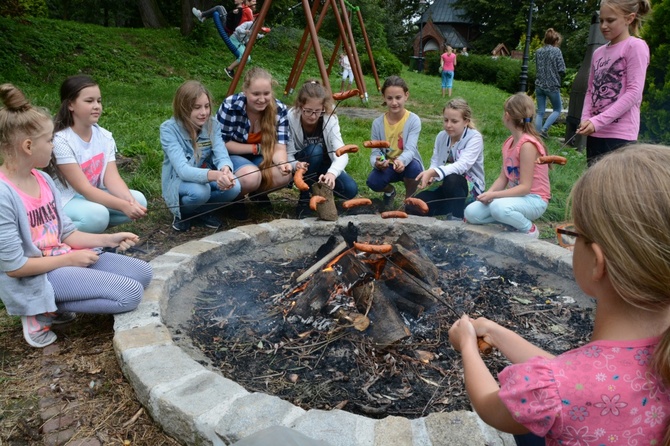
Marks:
<point>521,110</point>
<point>312,89</point>
<point>394,81</point>
<point>69,92</point>
<point>18,119</point>
<point>638,7</point>
<point>551,37</point>
<point>182,106</point>
<point>462,106</point>
<point>268,124</point>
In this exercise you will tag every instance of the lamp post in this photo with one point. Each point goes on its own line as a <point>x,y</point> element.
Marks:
<point>425,8</point>
<point>523,83</point>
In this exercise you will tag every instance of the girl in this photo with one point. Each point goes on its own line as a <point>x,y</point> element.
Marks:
<point>550,71</point>
<point>613,390</point>
<point>611,113</point>
<point>448,59</point>
<point>84,162</point>
<point>315,136</point>
<point>401,128</point>
<point>49,268</point>
<point>458,161</point>
<point>521,192</point>
<point>197,171</point>
<point>255,132</point>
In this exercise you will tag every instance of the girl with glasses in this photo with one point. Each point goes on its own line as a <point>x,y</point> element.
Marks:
<point>315,136</point>
<point>613,390</point>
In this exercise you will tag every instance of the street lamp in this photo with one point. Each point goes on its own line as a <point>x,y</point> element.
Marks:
<point>523,83</point>
<point>426,5</point>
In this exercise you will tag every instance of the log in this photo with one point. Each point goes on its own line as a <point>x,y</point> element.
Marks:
<point>316,294</point>
<point>325,211</point>
<point>401,303</point>
<point>420,267</point>
<point>408,286</point>
<point>387,325</point>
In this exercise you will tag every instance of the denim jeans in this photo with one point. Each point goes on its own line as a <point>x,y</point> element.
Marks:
<point>516,212</point>
<point>448,198</point>
<point>379,179</point>
<point>92,217</point>
<point>196,198</point>
<point>319,163</point>
<point>556,105</point>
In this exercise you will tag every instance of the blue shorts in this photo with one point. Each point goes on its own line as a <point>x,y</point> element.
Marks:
<point>240,161</point>
<point>447,79</point>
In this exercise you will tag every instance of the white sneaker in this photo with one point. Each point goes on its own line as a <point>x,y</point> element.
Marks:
<point>37,330</point>
<point>198,14</point>
<point>534,232</point>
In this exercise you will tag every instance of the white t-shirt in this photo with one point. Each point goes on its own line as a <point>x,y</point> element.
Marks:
<point>91,156</point>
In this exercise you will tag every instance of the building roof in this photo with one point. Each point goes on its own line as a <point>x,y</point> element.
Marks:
<point>451,36</point>
<point>444,11</point>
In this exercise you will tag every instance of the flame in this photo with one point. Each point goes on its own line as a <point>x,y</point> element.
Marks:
<point>329,267</point>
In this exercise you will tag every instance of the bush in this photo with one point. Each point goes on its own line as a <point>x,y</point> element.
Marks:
<point>386,63</point>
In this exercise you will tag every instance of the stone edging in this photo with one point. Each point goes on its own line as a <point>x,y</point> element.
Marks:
<point>200,407</point>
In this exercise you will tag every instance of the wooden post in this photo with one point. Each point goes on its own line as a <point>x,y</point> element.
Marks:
<point>368,48</point>
<point>347,47</point>
<point>356,65</point>
<point>301,48</point>
<point>317,46</point>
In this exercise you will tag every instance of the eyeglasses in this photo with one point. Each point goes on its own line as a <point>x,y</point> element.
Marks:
<point>566,235</point>
<point>308,112</point>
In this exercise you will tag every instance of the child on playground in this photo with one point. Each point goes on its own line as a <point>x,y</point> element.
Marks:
<point>449,63</point>
<point>611,113</point>
<point>457,161</point>
<point>197,176</point>
<point>521,192</point>
<point>612,390</point>
<point>83,164</point>
<point>49,268</point>
<point>401,129</point>
<point>315,136</point>
<point>254,128</point>
<point>347,73</point>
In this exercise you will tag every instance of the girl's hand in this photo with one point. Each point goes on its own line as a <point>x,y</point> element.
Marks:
<point>483,329</point>
<point>123,240</point>
<point>285,168</point>
<point>225,179</point>
<point>398,165</point>
<point>381,163</point>
<point>328,179</point>
<point>426,177</point>
<point>134,210</point>
<point>301,165</point>
<point>462,334</point>
<point>81,257</point>
<point>585,128</point>
<point>486,197</point>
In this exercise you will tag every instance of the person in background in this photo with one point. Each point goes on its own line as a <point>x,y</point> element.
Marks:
<point>449,62</point>
<point>550,71</point>
<point>347,73</point>
<point>464,52</point>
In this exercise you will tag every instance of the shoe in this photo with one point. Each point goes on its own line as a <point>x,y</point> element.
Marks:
<point>37,330</point>
<point>181,225</point>
<point>238,211</point>
<point>62,317</point>
<point>209,221</point>
<point>198,14</point>
<point>544,134</point>
<point>230,73</point>
<point>265,29</point>
<point>389,201</point>
<point>534,232</point>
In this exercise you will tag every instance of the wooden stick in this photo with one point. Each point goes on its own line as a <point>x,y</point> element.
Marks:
<point>334,253</point>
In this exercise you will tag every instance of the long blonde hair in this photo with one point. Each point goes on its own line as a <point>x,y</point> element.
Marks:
<point>521,110</point>
<point>638,7</point>
<point>182,106</point>
<point>268,125</point>
<point>18,119</point>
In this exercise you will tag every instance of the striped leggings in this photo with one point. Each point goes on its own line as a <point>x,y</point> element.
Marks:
<point>114,284</point>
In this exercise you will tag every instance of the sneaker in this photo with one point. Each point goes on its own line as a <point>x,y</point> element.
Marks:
<point>544,134</point>
<point>62,317</point>
<point>198,14</point>
<point>37,330</point>
<point>181,225</point>
<point>230,73</point>
<point>534,232</point>
<point>265,29</point>
<point>389,201</point>
<point>209,221</point>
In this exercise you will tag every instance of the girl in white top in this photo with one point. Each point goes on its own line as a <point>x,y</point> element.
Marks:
<point>84,162</point>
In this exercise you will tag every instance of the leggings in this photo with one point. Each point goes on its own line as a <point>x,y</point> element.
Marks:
<point>114,284</point>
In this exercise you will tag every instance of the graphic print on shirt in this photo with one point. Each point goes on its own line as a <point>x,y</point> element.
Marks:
<point>43,222</point>
<point>512,172</point>
<point>93,169</point>
<point>395,153</point>
<point>607,83</point>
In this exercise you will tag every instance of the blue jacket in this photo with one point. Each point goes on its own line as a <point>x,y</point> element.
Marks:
<point>179,161</point>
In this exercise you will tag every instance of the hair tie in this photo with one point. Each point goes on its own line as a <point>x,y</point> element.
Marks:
<point>527,119</point>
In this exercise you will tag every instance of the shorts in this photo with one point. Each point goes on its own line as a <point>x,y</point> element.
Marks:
<point>347,73</point>
<point>447,79</point>
<point>240,161</point>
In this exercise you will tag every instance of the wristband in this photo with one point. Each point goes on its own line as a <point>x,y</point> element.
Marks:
<point>254,149</point>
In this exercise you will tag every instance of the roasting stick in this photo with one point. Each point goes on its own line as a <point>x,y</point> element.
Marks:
<point>334,253</point>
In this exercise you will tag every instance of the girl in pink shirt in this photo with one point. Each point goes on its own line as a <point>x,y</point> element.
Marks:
<point>448,59</point>
<point>613,390</point>
<point>611,113</point>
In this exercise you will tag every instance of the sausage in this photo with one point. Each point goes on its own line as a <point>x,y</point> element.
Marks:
<point>298,181</point>
<point>316,200</point>
<point>355,202</point>
<point>376,144</point>
<point>373,249</point>
<point>551,159</point>
<point>394,214</point>
<point>419,203</point>
<point>341,96</point>
<point>484,347</point>
<point>349,148</point>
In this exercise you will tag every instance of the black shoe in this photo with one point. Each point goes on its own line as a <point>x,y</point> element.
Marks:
<point>181,225</point>
<point>389,201</point>
<point>230,73</point>
<point>209,221</point>
<point>238,211</point>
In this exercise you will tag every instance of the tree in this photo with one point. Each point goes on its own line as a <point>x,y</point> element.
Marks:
<point>152,17</point>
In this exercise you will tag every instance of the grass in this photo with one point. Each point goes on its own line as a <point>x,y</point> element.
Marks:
<point>139,70</point>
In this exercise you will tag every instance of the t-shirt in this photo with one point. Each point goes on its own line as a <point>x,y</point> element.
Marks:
<point>393,134</point>
<point>344,61</point>
<point>448,62</point>
<point>602,393</point>
<point>42,217</point>
<point>512,161</point>
<point>315,137</point>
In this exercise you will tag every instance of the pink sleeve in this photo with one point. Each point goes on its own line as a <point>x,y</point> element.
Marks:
<point>637,60</point>
<point>531,395</point>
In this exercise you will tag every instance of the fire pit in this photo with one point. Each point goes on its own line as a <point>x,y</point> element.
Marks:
<point>203,287</point>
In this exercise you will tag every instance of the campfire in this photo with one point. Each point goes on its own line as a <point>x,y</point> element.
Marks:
<point>362,325</point>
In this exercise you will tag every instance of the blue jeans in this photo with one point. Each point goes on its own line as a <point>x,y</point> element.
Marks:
<point>448,198</point>
<point>380,178</point>
<point>196,198</point>
<point>92,217</point>
<point>556,105</point>
<point>447,79</point>
<point>319,163</point>
<point>516,212</point>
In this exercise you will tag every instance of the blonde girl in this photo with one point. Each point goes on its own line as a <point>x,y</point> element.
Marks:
<point>197,174</point>
<point>612,390</point>
<point>254,128</point>
<point>49,269</point>
<point>315,136</point>
<point>521,192</point>
<point>84,162</point>
<point>449,62</point>
<point>611,113</point>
